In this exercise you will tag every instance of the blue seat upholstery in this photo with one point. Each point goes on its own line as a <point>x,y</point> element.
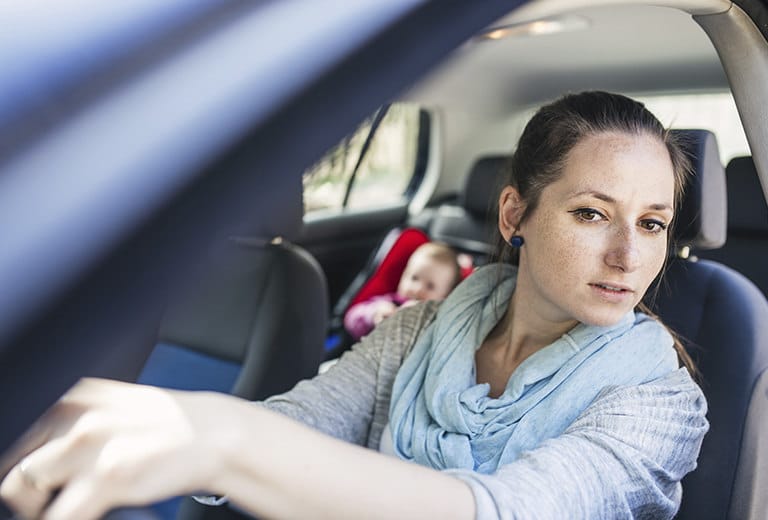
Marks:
<point>722,318</point>
<point>747,245</point>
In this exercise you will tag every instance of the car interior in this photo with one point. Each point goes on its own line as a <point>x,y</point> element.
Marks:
<point>154,188</point>
<point>747,215</point>
<point>251,322</point>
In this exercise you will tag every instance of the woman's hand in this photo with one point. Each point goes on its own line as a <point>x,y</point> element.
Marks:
<point>107,443</point>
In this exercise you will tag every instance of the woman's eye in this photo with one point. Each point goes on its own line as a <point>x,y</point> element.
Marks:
<point>654,226</point>
<point>588,214</point>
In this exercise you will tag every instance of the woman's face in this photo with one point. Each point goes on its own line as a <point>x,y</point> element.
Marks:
<point>598,236</point>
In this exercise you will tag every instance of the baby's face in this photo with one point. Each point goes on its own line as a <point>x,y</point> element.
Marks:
<point>426,279</point>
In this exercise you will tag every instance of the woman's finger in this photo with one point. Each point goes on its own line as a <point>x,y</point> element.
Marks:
<point>26,486</point>
<point>82,498</point>
<point>30,483</point>
<point>33,438</point>
<point>53,422</point>
<point>106,447</point>
<point>51,465</point>
<point>33,481</point>
<point>23,492</point>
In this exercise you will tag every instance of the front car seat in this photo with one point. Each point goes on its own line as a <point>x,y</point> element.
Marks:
<point>722,318</point>
<point>253,321</point>
<point>747,245</point>
<point>250,322</point>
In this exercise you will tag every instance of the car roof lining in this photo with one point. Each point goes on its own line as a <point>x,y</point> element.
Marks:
<point>703,47</point>
<point>647,41</point>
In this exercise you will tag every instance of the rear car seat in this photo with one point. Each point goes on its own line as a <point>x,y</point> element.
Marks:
<point>468,226</point>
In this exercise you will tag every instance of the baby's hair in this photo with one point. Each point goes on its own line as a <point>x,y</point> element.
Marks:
<point>444,254</point>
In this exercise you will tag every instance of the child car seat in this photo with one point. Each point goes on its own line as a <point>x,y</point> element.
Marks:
<point>465,226</point>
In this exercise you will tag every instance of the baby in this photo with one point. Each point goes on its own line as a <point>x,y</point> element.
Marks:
<point>431,273</point>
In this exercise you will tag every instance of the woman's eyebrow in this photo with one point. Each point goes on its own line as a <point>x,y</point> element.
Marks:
<point>607,198</point>
<point>595,194</point>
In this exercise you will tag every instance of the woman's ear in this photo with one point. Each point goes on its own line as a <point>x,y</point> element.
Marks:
<point>511,210</point>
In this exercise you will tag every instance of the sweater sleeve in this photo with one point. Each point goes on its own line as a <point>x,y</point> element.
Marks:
<point>339,402</point>
<point>351,399</point>
<point>623,457</point>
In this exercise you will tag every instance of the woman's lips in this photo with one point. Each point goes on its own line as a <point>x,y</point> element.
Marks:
<point>611,292</point>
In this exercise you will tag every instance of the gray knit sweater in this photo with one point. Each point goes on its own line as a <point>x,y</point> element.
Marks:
<point>623,457</point>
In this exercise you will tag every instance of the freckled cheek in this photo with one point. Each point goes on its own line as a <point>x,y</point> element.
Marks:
<point>655,253</point>
<point>561,250</point>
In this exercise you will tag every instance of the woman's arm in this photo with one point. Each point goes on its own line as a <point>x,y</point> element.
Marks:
<point>295,472</point>
<point>341,401</point>
<point>351,400</point>
<point>109,444</point>
<point>623,457</point>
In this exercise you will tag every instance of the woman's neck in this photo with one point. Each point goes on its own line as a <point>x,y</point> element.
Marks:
<point>525,328</point>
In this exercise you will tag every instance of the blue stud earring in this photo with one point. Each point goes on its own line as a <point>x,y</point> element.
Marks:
<point>516,241</point>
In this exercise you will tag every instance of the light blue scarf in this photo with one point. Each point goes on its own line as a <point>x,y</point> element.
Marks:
<point>440,417</point>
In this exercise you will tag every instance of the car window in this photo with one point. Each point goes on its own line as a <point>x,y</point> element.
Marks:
<point>389,171</point>
<point>715,112</point>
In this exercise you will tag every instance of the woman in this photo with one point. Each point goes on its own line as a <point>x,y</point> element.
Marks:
<point>535,391</point>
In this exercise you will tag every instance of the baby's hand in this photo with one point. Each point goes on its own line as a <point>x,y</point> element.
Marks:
<point>408,303</point>
<point>383,309</point>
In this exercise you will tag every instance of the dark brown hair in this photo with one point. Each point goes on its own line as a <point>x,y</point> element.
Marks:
<point>552,133</point>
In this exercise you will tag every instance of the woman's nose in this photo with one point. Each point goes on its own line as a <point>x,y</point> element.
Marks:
<point>623,253</point>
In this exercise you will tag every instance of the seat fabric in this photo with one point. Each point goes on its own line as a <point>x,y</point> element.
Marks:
<point>747,245</point>
<point>468,226</point>
<point>722,319</point>
<point>251,321</point>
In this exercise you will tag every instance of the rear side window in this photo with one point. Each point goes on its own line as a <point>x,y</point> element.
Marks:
<point>715,112</point>
<point>390,170</point>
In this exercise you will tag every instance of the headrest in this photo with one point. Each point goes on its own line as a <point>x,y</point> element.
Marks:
<point>482,183</point>
<point>702,219</point>
<point>747,210</point>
